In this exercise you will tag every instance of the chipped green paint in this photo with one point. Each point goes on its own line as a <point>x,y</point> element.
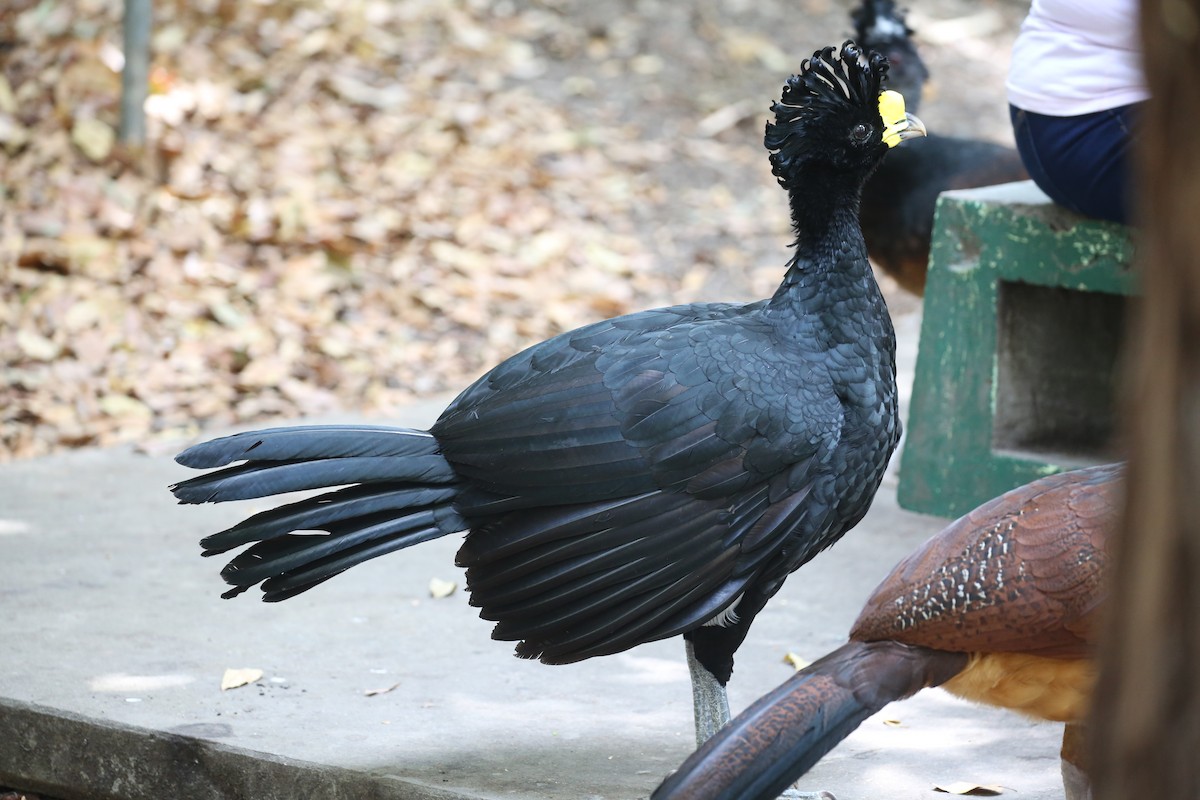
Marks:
<point>982,237</point>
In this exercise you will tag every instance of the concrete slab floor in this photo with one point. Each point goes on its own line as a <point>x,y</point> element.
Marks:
<point>115,642</point>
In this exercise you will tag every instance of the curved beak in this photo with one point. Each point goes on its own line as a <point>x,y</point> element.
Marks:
<point>907,127</point>
<point>913,128</point>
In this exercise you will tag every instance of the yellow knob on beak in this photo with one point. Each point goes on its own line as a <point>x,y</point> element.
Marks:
<point>898,125</point>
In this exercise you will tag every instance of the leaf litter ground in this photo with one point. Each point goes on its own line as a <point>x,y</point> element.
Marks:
<point>345,206</point>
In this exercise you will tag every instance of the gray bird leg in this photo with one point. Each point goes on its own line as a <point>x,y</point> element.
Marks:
<point>709,701</point>
<point>711,708</point>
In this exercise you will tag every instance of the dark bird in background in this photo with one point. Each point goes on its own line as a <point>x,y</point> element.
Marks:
<point>647,476</point>
<point>1001,607</point>
<point>899,200</point>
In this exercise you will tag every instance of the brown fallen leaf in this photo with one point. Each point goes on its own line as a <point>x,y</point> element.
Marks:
<point>8,101</point>
<point>12,134</point>
<point>36,346</point>
<point>892,723</point>
<point>385,690</point>
<point>94,137</point>
<point>122,405</point>
<point>233,678</point>
<point>973,789</point>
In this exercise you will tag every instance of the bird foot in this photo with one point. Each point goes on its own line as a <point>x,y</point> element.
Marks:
<point>796,794</point>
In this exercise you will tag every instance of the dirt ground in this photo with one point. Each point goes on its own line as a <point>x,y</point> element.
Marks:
<point>351,205</point>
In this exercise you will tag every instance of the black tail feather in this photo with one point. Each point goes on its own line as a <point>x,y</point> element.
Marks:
<point>265,478</point>
<point>292,583</point>
<point>284,554</point>
<point>397,491</point>
<point>785,732</point>
<point>306,442</point>
<point>316,513</point>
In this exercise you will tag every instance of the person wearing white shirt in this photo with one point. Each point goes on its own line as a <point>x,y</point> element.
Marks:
<point>1074,88</point>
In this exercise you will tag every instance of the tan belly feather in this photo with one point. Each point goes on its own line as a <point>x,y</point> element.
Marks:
<point>1048,688</point>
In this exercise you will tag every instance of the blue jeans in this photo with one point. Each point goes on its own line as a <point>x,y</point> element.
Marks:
<point>1083,162</point>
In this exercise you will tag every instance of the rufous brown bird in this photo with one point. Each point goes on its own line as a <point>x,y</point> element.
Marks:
<point>1000,607</point>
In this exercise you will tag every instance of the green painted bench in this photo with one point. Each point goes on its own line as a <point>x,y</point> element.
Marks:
<point>1017,361</point>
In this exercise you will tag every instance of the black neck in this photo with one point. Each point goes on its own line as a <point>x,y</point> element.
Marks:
<point>829,247</point>
<point>823,204</point>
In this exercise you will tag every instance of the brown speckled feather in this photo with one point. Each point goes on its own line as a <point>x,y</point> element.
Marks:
<point>1021,573</point>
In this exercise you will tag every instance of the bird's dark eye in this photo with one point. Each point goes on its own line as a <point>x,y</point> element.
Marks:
<point>860,132</point>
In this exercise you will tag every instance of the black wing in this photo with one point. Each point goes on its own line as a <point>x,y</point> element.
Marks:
<point>627,480</point>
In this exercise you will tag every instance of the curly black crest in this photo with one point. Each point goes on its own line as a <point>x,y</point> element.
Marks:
<point>828,83</point>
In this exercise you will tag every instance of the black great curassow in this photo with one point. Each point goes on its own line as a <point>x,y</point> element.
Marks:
<point>1001,607</point>
<point>652,475</point>
<point>900,198</point>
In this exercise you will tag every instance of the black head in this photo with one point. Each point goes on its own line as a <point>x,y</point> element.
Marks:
<point>878,22</point>
<point>880,25</point>
<point>829,122</point>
